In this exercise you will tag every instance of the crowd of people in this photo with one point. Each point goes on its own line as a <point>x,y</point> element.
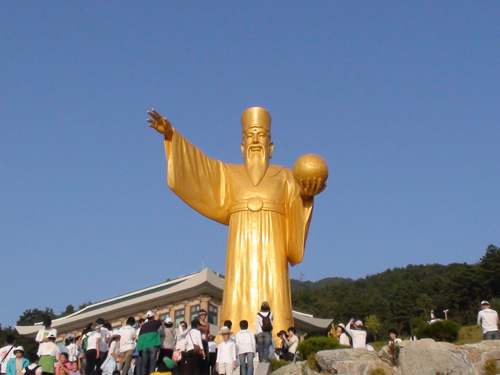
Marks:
<point>150,346</point>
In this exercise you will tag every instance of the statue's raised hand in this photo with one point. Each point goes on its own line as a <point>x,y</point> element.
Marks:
<point>310,187</point>
<point>160,124</point>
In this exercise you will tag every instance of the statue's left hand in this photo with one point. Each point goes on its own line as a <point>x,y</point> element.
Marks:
<point>311,187</point>
<point>160,124</point>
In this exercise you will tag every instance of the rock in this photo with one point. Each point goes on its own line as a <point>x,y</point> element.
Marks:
<point>351,361</point>
<point>415,360</point>
<point>482,351</point>
<point>299,368</point>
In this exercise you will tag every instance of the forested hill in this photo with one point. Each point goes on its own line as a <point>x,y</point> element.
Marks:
<point>298,285</point>
<point>396,296</point>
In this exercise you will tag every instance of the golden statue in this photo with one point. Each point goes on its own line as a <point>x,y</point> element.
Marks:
<point>268,212</point>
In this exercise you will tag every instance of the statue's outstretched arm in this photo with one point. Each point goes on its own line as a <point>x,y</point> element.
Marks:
<point>160,124</point>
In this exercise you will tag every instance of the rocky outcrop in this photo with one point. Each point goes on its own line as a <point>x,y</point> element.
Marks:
<point>351,361</point>
<point>482,351</point>
<point>423,357</point>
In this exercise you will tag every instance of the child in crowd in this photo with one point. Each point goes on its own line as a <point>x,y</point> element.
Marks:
<point>33,368</point>
<point>245,344</point>
<point>226,354</point>
<point>75,368</point>
<point>63,367</point>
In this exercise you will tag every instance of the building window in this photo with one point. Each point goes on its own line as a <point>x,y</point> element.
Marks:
<point>213,314</point>
<point>179,316</point>
<point>193,313</point>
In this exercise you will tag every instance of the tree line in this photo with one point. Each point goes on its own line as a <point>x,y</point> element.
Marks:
<point>401,297</point>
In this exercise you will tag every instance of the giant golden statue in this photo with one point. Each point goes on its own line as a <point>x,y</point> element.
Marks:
<point>268,212</point>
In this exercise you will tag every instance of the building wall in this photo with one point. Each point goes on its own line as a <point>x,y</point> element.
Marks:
<point>183,310</point>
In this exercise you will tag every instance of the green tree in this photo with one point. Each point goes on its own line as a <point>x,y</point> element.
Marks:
<point>373,324</point>
<point>32,316</point>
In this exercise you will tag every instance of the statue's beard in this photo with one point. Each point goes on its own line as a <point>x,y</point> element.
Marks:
<point>256,163</point>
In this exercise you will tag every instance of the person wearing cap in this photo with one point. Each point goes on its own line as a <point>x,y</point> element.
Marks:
<point>341,335</point>
<point>16,364</point>
<point>7,353</point>
<point>358,334</point>
<point>43,334</point>
<point>48,352</point>
<point>127,344</point>
<point>148,342</point>
<point>246,348</point>
<point>267,210</point>
<point>226,354</point>
<point>487,318</point>
<point>168,335</point>
<point>263,335</point>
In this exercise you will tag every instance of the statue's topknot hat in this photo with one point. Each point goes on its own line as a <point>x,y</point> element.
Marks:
<point>256,117</point>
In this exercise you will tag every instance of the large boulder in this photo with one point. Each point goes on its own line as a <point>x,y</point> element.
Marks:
<point>350,361</point>
<point>299,368</point>
<point>481,352</point>
<point>427,357</point>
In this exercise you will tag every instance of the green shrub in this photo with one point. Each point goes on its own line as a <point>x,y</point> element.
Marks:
<point>445,330</point>
<point>277,363</point>
<point>315,344</point>
<point>377,371</point>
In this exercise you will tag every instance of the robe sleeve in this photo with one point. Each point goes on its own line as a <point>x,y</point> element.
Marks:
<point>199,181</point>
<point>299,213</point>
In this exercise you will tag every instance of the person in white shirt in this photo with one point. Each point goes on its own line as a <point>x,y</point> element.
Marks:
<point>103,342</point>
<point>180,346</point>
<point>43,334</point>
<point>341,335</point>
<point>245,344</point>
<point>127,343</point>
<point>393,335</point>
<point>194,357</point>
<point>92,352</point>
<point>357,333</point>
<point>291,343</point>
<point>7,353</point>
<point>48,352</point>
<point>487,318</point>
<point>263,331</point>
<point>226,354</point>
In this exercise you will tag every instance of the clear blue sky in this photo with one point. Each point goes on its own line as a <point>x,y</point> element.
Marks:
<point>401,99</point>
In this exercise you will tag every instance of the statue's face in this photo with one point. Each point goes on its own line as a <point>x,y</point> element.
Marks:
<point>256,145</point>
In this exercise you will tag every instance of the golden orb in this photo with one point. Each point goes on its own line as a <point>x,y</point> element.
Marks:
<point>310,166</point>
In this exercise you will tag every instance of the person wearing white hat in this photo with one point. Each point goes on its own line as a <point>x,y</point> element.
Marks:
<point>15,365</point>
<point>148,342</point>
<point>357,333</point>
<point>487,318</point>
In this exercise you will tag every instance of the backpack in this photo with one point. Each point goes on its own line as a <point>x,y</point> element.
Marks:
<point>266,323</point>
<point>28,371</point>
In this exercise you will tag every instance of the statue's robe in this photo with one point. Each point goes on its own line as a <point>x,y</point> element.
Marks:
<point>268,226</point>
